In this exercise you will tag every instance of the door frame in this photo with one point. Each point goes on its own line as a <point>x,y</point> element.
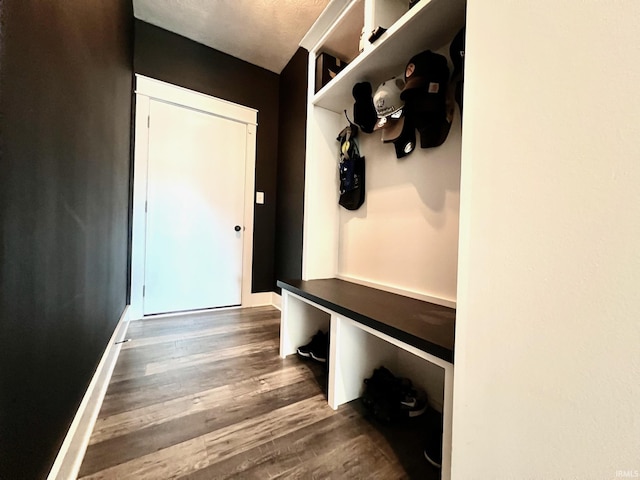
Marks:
<point>147,89</point>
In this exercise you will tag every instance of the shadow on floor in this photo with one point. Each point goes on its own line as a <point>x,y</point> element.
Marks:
<point>406,438</point>
<point>320,372</point>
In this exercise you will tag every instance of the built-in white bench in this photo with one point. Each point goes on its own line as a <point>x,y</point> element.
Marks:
<point>369,328</point>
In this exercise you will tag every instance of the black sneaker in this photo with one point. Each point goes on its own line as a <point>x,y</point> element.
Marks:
<point>433,454</point>
<point>433,446</point>
<point>305,350</point>
<point>414,403</point>
<point>320,351</point>
<point>316,348</point>
<point>392,398</point>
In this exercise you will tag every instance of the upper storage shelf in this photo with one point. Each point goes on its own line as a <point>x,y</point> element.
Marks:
<point>345,34</point>
<point>430,24</point>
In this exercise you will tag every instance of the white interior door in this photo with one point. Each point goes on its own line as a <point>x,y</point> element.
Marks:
<point>195,207</point>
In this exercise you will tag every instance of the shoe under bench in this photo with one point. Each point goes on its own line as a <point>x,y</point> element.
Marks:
<point>368,328</point>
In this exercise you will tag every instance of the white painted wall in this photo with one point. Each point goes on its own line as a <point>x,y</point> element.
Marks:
<point>320,236</point>
<point>547,372</point>
<point>405,236</point>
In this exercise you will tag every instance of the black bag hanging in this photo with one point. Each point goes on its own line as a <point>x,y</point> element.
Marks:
<point>352,178</point>
<point>351,170</point>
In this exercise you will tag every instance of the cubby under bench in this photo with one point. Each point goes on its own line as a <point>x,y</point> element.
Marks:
<point>370,328</point>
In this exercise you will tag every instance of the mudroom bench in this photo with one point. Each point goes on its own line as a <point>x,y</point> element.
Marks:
<point>369,328</point>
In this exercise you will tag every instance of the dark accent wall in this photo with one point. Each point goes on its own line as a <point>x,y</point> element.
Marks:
<point>174,59</point>
<point>291,161</point>
<point>65,107</point>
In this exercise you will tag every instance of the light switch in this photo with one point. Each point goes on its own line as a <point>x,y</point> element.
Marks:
<point>260,198</point>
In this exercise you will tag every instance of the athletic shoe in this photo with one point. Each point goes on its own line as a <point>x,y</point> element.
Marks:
<point>433,445</point>
<point>433,453</point>
<point>316,348</point>
<point>418,404</point>
<point>391,398</point>
<point>320,351</point>
<point>305,350</point>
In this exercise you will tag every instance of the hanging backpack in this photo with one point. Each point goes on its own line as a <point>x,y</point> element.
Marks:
<point>351,170</point>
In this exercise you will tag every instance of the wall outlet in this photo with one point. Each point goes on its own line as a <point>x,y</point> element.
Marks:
<point>260,198</point>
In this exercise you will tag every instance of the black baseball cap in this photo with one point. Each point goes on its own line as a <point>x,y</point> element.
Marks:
<point>432,124</point>
<point>364,113</point>
<point>456,51</point>
<point>425,96</point>
<point>426,69</point>
<point>406,142</point>
<point>434,133</point>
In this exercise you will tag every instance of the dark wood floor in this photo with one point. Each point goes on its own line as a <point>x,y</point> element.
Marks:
<point>206,396</point>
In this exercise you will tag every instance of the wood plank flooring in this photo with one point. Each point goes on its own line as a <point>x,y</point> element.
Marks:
<point>206,396</point>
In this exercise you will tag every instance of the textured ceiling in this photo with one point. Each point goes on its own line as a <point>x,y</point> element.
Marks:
<point>263,32</point>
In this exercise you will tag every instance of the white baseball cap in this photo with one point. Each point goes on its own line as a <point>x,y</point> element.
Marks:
<point>387,99</point>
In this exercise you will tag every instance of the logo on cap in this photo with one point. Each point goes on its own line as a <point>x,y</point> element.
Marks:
<point>410,69</point>
<point>387,97</point>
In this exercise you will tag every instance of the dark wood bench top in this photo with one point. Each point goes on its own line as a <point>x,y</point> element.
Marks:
<point>424,325</point>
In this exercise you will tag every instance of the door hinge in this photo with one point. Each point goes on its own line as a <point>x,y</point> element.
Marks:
<point>144,290</point>
<point>146,206</point>
<point>148,121</point>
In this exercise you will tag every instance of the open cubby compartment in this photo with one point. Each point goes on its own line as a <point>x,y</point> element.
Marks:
<point>343,39</point>
<point>356,350</point>
<point>300,321</point>
<point>384,13</point>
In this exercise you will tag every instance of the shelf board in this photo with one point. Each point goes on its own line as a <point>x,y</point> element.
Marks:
<point>429,25</point>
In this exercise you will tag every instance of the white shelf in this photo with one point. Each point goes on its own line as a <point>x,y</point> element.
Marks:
<point>429,25</point>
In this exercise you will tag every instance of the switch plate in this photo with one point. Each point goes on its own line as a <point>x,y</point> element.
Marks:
<point>260,198</point>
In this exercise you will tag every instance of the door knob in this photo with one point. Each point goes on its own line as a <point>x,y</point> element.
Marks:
<point>237,228</point>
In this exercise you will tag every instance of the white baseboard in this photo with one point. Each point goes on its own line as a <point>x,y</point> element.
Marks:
<point>276,300</point>
<point>253,300</point>
<point>445,302</point>
<point>69,459</point>
<point>257,299</point>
